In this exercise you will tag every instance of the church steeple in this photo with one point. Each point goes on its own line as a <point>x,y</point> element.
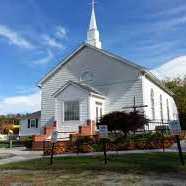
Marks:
<point>93,33</point>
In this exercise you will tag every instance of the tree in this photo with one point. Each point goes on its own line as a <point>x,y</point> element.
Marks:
<point>178,87</point>
<point>7,122</point>
<point>124,122</point>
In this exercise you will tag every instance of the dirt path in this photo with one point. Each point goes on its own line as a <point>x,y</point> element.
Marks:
<point>86,178</point>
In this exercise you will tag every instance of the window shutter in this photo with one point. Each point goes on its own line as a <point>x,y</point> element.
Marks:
<point>36,123</point>
<point>28,123</point>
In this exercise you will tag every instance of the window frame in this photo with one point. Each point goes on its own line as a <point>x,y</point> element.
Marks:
<point>161,107</point>
<point>152,104</point>
<point>31,124</point>
<point>168,110</point>
<point>87,72</point>
<point>70,117</point>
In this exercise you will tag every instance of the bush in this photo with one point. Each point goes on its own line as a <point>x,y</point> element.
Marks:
<point>97,147</point>
<point>124,122</point>
<point>27,142</point>
<point>163,129</point>
<point>142,141</point>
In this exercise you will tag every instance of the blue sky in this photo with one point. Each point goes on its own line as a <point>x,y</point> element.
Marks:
<point>36,34</point>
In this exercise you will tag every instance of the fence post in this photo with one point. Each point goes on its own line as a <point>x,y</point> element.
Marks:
<point>105,151</point>
<point>43,147</point>
<point>52,154</point>
<point>180,150</point>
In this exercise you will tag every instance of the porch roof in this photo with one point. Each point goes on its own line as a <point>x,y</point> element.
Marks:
<point>78,84</point>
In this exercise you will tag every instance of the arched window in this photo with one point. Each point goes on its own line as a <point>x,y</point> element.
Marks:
<point>168,111</point>
<point>87,76</point>
<point>152,104</point>
<point>161,107</point>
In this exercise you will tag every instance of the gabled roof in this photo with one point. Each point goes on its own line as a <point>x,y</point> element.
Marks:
<point>61,64</point>
<point>34,115</point>
<point>122,60</point>
<point>81,85</point>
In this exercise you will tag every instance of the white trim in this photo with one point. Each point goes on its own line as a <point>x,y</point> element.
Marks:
<point>97,95</point>
<point>75,85</point>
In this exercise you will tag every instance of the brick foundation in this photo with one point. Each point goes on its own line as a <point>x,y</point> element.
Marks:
<point>41,141</point>
<point>88,129</point>
<point>60,147</point>
<point>38,141</point>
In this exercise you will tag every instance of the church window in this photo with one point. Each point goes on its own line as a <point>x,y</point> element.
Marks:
<point>87,76</point>
<point>161,108</point>
<point>168,111</point>
<point>152,104</point>
<point>71,111</point>
<point>33,123</point>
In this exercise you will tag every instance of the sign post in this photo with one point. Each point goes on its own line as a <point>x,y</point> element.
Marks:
<point>53,141</point>
<point>103,131</point>
<point>176,131</point>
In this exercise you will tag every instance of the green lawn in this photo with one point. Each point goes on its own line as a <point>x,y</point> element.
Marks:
<point>130,169</point>
<point>4,145</point>
<point>132,163</point>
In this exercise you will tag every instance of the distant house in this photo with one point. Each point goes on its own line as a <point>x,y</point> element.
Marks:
<point>30,125</point>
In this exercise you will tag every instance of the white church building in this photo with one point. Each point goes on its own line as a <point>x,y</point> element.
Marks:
<point>92,82</point>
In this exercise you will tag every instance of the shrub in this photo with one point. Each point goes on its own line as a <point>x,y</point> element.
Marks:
<point>163,129</point>
<point>125,122</point>
<point>97,147</point>
<point>27,142</point>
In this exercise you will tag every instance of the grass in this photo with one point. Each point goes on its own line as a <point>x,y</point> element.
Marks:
<point>131,169</point>
<point>131,163</point>
<point>4,145</point>
<point>7,145</point>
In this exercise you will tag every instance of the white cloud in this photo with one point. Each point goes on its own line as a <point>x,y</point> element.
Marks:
<point>52,42</point>
<point>172,69</point>
<point>14,38</point>
<point>174,22</point>
<point>172,11</point>
<point>44,60</point>
<point>154,46</point>
<point>22,90</point>
<point>21,104</point>
<point>61,32</point>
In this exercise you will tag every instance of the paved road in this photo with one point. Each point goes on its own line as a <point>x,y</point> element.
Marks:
<point>20,154</point>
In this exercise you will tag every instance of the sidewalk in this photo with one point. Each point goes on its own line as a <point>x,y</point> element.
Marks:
<point>19,154</point>
<point>23,155</point>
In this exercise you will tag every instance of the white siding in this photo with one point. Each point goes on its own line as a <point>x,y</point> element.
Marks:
<point>118,82</point>
<point>147,86</point>
<point>25,131</point>
<point>71,93</point>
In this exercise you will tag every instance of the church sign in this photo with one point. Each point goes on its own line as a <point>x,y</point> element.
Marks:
<point>175,127</point>
<point>54,137</point>
<point>103,131</point>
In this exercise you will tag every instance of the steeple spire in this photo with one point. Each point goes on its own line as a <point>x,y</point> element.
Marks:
<point>93,24</point>
<point>93,33</point>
